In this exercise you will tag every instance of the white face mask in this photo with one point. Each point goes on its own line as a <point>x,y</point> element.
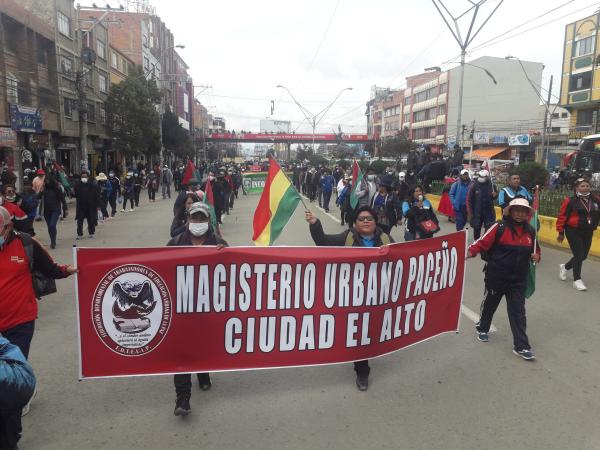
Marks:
<point>198,229</point>
<point>482,179</point>
<point>10,198</point>
<point>579,194</point>
<point>84,180</point>
<point>210,177</point>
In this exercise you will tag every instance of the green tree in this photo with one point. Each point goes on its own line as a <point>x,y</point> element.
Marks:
<point>176,138</point>
<point>132,118</point>
<point>396,146</point>
<point>532,174</point>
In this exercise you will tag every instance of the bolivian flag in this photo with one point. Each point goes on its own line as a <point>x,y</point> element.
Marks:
<point>277,204</point>
<point>530,287</point>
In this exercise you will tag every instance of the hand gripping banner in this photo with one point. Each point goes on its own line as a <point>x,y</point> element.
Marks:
<point>149,311</point>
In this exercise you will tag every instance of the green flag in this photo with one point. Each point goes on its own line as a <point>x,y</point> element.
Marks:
<point>357,177</point>
<point>530,288</point>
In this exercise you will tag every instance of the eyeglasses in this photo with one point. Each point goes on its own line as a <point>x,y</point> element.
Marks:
<point>9,192</point>
<point>365,219</point>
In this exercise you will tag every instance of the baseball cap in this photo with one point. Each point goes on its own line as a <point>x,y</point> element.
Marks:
<point>198,207</point>
<point>484,173</point>
<point>464,171</point>
<point>40,172</point>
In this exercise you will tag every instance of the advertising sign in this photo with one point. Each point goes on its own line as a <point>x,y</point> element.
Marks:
<point>26,119</point>
<point>520,139</point>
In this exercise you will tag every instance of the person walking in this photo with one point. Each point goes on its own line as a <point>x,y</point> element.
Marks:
<point>128,192</point>
<point>365,233</point>
<point>509,245</point>
<point>577,220</point>
<point>55,205</point>
<point>343,200</point>
<point>512,191</point>
<point>386,205</point>
<point>152,186</point>
<point>19,255</point>
<point>37,185</point>
<point>138,181</point>
<point>166,178</point>
<point>480,203</point>
<point>421,221</point>
<point>105,191</point>
<point>198,232</point>
<point>458,197</point>
<point>115,192</point>
<point>327,183</point>
<point>87,204</point>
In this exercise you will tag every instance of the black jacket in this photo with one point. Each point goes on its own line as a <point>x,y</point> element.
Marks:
<point>339,240</point>
<point>88,199</point>
<point>53,198</point>
<point>185,239</point>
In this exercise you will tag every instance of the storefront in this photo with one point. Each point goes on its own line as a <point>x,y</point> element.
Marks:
<point>66,153</point>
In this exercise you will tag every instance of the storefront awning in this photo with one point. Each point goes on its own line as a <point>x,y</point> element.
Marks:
<point>488,153</point>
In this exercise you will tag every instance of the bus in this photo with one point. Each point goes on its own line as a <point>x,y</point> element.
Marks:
<point>585,161</point>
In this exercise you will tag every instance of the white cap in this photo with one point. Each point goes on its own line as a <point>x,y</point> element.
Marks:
<point>198,207</point>
<point>484,173</point>
<point>401,175</point>
<point>464,171</point>
<point>518,202</point>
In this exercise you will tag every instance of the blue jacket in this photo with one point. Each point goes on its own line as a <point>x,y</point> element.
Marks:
<point>507,194</point>
<point>458,194</point>
<point>327,182</point>
<point>17,380</point>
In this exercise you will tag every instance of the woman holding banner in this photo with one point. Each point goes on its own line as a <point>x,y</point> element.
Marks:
<point>365,233</point>
<point>198,232</point>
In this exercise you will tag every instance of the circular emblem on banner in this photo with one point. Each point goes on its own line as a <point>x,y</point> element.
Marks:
<point>131,310</point>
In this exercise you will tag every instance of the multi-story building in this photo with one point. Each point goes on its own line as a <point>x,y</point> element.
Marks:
<point>29,110</point>
<point>120,65</point>
<point>429,103</point>
<point>580,81</point>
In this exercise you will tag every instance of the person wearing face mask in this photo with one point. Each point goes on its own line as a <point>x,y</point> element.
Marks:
<point>114,193</point>
<point>420,216</point>
<point>480,203</point>
<point>129,192</point>
<point>138,180</point>
<point>365,233</point>
<point>54,203</point>
<point>198,232</point>
<point>152,186</point>
<point>578,219</point>
<point>509,245</point>
<point>8,199</point>
<point>18,303</point>
<point>88,204</point>
<point>458,197</point>
<point>402,187</point>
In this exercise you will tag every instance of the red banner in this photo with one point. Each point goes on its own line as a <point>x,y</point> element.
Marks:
<point>288,137</point>
<point>198,309</point>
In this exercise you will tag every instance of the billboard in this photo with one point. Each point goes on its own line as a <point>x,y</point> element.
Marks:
<point>275,126</point>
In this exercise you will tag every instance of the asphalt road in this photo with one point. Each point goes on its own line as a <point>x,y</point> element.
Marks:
<point>451,392</point>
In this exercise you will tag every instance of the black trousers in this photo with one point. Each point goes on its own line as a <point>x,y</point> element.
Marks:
<point>112,199</point>
<point>130,200</point>
<point>515,306</point>
<point>362,368</point>
<point>91,219</point>
<point>151,194</point>
<point>326,199</point>
<point>136,195</point>
<point>580,242</point>
<point>183,383</point>
<point>10,421</point>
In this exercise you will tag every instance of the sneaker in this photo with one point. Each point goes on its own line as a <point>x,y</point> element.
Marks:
<point>204,381</point>
<point>123,210</point>
<point>91,236</point>
<point>78,238</point>
<point>53,245</point>
<point>133,209</point>
<point>27,407</point>
<point>525,354</point>
<point>562,272</point>
<point>578,284</point>
<point>182,406</point>
<point>362,382</point>
<point>482,336</point>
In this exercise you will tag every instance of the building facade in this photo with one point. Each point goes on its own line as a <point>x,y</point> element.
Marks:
<point>580,81</point>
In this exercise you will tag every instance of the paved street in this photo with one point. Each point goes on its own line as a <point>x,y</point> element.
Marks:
<point>452,392</point>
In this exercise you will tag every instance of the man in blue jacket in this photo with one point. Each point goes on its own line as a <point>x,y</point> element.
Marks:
<point>327,182</point>
<point>512,191</point>
<point>458,197</point>
<point>17,383</point>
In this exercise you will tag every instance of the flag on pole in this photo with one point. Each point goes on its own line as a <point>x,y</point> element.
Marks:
<point>275,207</point>
<point>62,176</point>
<point>189,173</point>
<point>357,177</point>
<point>530,288</point>
<point>209,200</point>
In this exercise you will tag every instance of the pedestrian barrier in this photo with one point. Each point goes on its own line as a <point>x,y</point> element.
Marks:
<point>547,232</point>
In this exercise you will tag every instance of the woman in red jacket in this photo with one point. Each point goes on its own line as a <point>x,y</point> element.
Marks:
<point>577,220</point>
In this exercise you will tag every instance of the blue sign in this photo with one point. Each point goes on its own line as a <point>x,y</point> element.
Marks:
<point>498,140</point>
<point>24,118</point>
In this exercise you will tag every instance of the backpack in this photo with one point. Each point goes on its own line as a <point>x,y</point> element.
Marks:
<point>42,285</point>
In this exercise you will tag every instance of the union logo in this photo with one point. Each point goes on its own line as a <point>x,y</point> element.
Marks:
<point>131,310</point>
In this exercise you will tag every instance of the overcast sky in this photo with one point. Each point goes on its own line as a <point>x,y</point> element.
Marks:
<point>244,49</point>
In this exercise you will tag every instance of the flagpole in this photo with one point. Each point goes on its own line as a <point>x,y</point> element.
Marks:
<point>536,194</point>
<point>288,178</point>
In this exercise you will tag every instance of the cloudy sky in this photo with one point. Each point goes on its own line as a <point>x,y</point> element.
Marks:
<point>244,49</point>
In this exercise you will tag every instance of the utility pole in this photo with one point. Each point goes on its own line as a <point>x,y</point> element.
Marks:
<point>472,139</point>
<point>540,158</point>
<point>463,43</point>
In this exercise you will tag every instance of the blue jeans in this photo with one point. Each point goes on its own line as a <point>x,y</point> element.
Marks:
<point>461,218</point>
<point>51,218</point>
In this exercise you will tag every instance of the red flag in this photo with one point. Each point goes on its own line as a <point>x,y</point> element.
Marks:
<point>208,194</point>
<point>189,173</point>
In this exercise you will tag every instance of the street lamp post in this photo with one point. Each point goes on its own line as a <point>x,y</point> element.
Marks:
<point>314,119</point>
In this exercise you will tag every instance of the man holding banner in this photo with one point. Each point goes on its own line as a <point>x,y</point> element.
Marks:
<point>364,234</point>
<point>198,232</point>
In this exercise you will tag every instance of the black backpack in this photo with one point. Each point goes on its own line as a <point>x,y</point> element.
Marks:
<point>42,285</point>
<point>485,255</point>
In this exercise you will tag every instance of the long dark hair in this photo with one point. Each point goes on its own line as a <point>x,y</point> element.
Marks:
<point>180,208</point>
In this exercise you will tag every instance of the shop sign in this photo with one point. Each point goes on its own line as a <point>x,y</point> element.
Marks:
<point>25,119</point>
<point>8,138</point>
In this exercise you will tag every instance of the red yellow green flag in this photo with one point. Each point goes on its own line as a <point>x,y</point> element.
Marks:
<point>275,207</point>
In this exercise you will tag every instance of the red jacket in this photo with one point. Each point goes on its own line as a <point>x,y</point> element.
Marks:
<point>574,214</point>
<point>17,299</point>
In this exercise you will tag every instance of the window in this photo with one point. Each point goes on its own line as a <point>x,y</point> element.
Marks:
<point>68,104</point>
<point>443,88</point>
<point>584,46</point>
<point>113,60</point>
<point>407,100</point>
<point>585,117</point>
<point>66,66</point>
<point>42,51</point>
<point>419,116</point>
<point>91,112</point>
<point>64,24</point>
<point>102,84</point>
<point>441,110</point>
<point>24,93</point>
<point>431,113</point>
<point>555,130</point>
<point>406,118</point>
<point>12,88</point>
<point>580,81</point>
<point>103,115</point>
<point>46,98</point>
<point>101,49</point>
<point>441,130</point>
<point>555,115</point>
<point>564,115</point>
